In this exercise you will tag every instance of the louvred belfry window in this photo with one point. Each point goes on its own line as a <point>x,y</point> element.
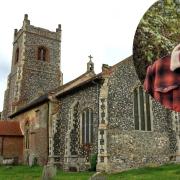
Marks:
<point>17,56</point>
<point>42,54</point>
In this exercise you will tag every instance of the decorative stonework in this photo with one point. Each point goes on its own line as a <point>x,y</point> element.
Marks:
<point>102,164</point>
<point>72,136</point>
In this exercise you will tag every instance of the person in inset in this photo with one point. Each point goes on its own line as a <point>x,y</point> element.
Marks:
<point>163,80</point>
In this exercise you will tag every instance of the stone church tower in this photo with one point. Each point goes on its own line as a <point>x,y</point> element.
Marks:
<point>35,68</point>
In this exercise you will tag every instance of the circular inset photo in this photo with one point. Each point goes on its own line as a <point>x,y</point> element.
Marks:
<point>156,52</point>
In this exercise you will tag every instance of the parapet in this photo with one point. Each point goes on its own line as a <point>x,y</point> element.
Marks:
<point>28,28</point>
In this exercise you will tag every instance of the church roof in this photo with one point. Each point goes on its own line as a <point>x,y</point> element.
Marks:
<point>81,78</point>
<point>78,83</point>
<point>62,90</point>
<point>10,128</point>
<point>40,100</point>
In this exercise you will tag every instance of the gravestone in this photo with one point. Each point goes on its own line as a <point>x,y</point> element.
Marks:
<point>49,171</point>
<point>31,160</point>
<point>1,160</point>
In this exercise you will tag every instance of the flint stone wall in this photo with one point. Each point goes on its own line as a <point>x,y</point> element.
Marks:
<point>12,78</point>
<point>39,76</point>
<point>128,147</point>
<point>87,97</point>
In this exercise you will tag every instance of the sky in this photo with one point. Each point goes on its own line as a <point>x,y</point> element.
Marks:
<point>103,28</point>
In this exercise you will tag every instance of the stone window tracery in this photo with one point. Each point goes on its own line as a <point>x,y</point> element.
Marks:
<point>142,110</point>
<point>26,130</point>
<point>87,126</point>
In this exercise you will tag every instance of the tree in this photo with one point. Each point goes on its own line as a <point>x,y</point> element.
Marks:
<point>157,34</point>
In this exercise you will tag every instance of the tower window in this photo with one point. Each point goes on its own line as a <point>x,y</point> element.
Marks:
<point>142,115</point>
<point>42,54</point>
<point>17,56</point>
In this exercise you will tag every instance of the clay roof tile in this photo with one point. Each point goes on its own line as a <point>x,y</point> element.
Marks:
<point>10,128</point>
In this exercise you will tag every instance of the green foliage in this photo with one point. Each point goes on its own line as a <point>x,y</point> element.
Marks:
<point>73,175</point>
<point>157,34</point>
<point>165,172</point>
<point>93,162</point>
<point>35,173</point>
<point>20,172</point>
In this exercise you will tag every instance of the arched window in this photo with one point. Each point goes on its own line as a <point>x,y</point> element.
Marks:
<point>142,110</point>
<point>42,54</point>
<point>17,56</point>
<point>26,132</point>
<point>87,126</point>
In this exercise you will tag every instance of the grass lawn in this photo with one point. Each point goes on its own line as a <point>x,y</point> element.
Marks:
<point>167,172</point>
<point>34,173</point>
<point>20,173</point>
<point>73,175</point>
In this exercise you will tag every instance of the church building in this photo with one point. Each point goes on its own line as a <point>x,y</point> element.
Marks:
<point>106,115</point>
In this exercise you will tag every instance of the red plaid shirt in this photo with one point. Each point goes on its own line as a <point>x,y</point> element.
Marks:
<point>164,84</point>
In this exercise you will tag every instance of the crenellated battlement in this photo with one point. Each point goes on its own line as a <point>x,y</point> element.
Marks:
<point>28,28</point>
